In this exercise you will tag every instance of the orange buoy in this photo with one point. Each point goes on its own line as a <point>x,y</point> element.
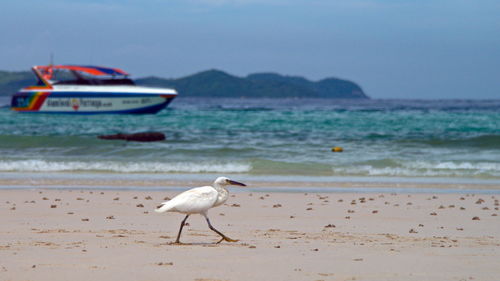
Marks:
<point>337,149</point>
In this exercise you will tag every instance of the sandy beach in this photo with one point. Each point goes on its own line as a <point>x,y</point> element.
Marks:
<point>115,235</point>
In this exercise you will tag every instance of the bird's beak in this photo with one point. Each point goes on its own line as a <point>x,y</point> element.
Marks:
<point>236,183</point>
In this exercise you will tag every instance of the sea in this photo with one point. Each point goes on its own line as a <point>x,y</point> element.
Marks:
<point>454,139</point>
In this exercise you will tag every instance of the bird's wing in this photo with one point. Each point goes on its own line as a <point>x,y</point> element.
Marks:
<point>193,201</point>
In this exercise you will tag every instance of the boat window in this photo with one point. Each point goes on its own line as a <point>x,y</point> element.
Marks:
<point>96,82</point>
<point>63,77</point>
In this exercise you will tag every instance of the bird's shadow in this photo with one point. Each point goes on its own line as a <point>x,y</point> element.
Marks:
<point>202,244</point>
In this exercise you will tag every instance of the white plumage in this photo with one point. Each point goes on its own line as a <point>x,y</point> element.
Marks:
<point>198,201</point>
<point>193,201</point>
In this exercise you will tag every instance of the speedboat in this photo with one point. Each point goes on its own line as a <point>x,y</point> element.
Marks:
<point>88,90</point>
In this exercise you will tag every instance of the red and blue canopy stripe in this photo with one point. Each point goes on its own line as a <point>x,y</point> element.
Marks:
<point>93,70</point>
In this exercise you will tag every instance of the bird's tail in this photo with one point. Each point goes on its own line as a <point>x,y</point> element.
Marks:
<point>163,207</point>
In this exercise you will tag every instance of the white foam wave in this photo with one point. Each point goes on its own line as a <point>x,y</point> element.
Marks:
<point>423,168</point>
<point>122,167</point>
<point>484,166</point>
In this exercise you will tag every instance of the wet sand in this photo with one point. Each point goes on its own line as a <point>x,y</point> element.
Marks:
<point>115,235</point>
<point>289,183</point>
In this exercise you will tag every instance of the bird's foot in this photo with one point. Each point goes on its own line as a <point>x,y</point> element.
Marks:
<point>225,238</point>
<point>176,243</point>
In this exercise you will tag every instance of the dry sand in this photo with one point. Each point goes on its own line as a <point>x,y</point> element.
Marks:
<point>115,235</point>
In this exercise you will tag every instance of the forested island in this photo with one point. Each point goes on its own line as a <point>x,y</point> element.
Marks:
<point>216,83</point>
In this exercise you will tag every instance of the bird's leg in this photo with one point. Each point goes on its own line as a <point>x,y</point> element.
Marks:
<point>224,237</point>
<point>180,229</point>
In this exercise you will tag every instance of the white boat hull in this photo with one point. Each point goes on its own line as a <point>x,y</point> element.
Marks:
<point>93,100</point>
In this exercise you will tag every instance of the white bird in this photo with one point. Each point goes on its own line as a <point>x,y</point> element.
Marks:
<point>197,201</point>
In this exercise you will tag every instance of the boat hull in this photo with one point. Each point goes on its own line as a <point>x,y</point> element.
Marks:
<point>89,102</point>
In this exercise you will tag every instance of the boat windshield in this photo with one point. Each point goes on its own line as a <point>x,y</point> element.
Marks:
<point>113,81</point>
<point>71,77</point>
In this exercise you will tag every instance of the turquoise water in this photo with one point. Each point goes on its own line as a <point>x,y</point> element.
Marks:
<point>389,138</point>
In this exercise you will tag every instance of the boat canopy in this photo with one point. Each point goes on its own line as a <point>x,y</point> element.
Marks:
<point>92,70</point>
<point>49,75</point>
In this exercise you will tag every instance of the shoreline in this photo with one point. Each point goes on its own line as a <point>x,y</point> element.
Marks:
<point>273,183</point>
<point>325,190</point>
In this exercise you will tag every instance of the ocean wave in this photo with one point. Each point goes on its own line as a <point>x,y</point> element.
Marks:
<point>424,168</point>
<point>122,167</point>
<point>386,167</point>
<point>454,166</point>
<point>484,141</point>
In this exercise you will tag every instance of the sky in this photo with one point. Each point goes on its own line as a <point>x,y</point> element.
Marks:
<point>409,49</point>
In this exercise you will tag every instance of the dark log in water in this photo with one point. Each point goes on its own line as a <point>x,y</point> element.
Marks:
<point>142,137</point>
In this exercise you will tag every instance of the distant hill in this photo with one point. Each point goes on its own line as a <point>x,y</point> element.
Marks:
<point>11,82</point>
<point>216,83</point>
<point>326,88</point>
